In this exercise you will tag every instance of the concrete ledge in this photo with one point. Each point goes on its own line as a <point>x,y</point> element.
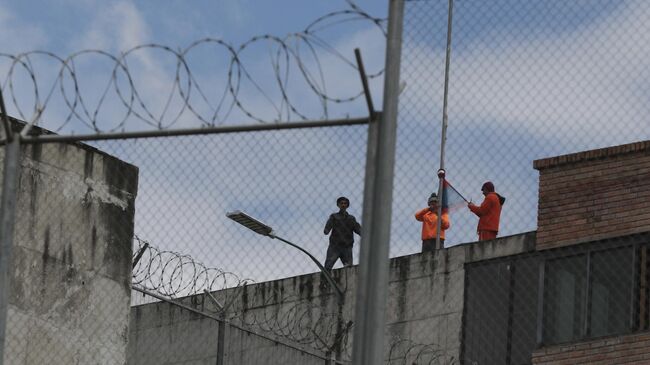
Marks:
<point>545,163</point>
<point>500,247</point>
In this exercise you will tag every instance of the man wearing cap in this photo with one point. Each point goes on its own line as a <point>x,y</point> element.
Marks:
<point>489,212</point>
<point>429,218</point>
<point>342,225</point>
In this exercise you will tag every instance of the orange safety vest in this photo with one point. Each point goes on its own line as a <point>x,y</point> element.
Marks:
<point>489,213</point>
<point>429,221</point>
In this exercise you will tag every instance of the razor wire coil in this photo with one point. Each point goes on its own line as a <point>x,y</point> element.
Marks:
<point>186,100</point>
<point>175,275</point>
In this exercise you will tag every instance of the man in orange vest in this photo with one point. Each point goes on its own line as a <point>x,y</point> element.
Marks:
<point>489,212</point>
<point>429,218</point>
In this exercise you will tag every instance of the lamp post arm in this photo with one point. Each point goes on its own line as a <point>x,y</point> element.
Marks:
<point>320,266</point>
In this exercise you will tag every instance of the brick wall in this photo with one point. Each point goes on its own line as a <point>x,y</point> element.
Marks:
<point>633,349</point>
<point>593,195</point>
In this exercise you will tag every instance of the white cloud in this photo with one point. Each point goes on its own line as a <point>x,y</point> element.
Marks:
<point>115,26</point>
<point>18,36</point>
<point>555,85</point>
<point>551,88</point>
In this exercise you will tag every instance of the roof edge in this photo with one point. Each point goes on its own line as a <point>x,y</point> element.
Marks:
<point>584,156</point>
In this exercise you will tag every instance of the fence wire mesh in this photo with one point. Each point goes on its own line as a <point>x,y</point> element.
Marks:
<point>527,80</point>
<point>123,252</point>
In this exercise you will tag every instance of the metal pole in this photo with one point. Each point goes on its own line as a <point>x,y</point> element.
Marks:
<point>444,121</point>
<point>221,330</point>
<point>54,138</point>
<point>328,277</point>
<point>366,219</point>
<point>368,347</point>
<point>364,83</point>
<point>5,119</point>
<point>10,176</point>
<point>139,255</point>
<point>371,155</point>
<point>221,342</point>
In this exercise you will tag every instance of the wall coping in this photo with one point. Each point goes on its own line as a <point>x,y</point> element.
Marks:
<point>596,154</point>
<point>461,254</point>
<point>16,125</point>
<point>468,252</point>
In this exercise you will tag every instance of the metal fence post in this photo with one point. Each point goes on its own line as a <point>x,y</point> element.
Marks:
<point>364,250</point>
<point>221,342</point>
<point>368,187</point>
<point>7,219</point>
<point>368,346</point>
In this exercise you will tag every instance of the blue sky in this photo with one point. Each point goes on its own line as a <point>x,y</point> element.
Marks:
<point>66,26</point>
<point>187,185</point>
<point>112,29</point>
<point>528,80</point>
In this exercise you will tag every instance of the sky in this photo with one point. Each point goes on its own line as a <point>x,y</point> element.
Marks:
<point>528,80</point>
<point>275,44</point>
<point>187,185</point>
<point>68,26</point>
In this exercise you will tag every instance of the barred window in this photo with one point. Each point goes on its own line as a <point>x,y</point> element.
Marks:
<point>565,284</point>
<point>550,297</point>
<point>610,296</point>
<point>500,300</point>
<point>589,295</point>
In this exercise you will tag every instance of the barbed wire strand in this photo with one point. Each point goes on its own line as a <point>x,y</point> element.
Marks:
<point>298,56</point>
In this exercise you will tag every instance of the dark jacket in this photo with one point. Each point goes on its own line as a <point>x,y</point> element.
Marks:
<point>342,226</point>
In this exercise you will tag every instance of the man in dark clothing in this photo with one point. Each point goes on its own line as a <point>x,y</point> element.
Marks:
<point>342,225</point>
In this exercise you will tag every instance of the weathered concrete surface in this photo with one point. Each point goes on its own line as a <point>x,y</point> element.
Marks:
<point>424,311</point>
<point>71,270</point>
<point>425,305</point>
<point>167,334</point>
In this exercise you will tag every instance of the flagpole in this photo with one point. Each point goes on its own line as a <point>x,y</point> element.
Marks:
<point>441,171</point>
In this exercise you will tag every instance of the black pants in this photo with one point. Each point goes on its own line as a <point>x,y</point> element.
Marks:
<point>430,245</point>
<point>335,252</point>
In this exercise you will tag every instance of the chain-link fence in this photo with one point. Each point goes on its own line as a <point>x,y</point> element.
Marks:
<point>527,80</point>
<point>123,252</point>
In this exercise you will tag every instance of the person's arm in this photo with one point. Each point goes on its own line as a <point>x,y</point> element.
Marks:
<point>356,227</point>
<point>328,225</point>
<point>484,208</point>
<point>432,219</point>
<point>419,215</point>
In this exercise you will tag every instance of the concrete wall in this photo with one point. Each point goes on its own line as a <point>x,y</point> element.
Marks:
<point>168,334</point>
<point>71,270</point>
<point>424,311</point>
<point>426,298</point>
<point>593,195</point>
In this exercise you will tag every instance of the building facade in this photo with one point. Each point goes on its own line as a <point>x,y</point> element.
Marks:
<point>574,291</point>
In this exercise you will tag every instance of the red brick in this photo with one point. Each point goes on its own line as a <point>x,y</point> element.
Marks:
<point>624,349</point>
<point>597,193</point>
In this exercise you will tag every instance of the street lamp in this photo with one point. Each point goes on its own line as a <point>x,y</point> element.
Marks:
<point>265,230</point>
